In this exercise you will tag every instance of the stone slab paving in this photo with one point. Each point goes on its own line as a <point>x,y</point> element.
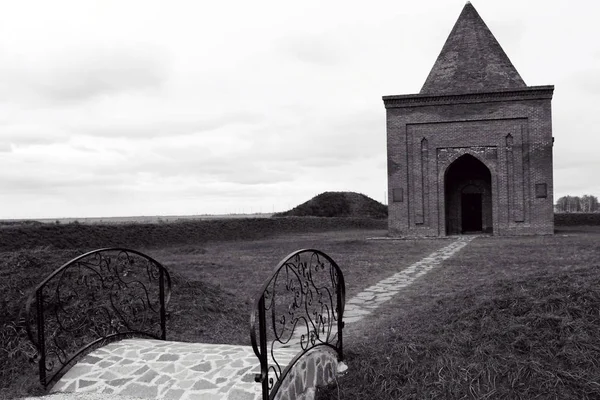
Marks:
<point>374,296</point>
<point>82,396</point>
<point>155,369</point>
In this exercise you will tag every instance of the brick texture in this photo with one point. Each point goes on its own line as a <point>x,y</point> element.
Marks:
<point>473,150</point>
<point>509,133</point>
<point>471,59</point>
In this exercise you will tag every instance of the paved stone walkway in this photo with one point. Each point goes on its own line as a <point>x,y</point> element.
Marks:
<point>372,297</point>
<point>175,370</point>
<point>156,369</point>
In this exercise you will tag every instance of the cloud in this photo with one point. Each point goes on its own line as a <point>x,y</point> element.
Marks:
<point>105,71</point>
<point>29,133</point>
<point>319,141</point>
<point>508,32</point>
<point>199,158</point>
<point>587,81</point>
<point>265,153</point>
<point>320,50</point>
<point>29,182</point>
<point>202,163</point>
<point>576,180</point>
<point>163,124</point>
<point>256,174</point>
<point>134,107</point>
<point>80,73</point>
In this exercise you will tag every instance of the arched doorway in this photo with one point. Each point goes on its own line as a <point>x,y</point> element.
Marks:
<point>468,196</point>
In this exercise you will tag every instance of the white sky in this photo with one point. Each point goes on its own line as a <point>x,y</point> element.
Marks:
<point>116,108</point>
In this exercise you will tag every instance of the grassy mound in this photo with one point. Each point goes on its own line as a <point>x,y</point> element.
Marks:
<point>338,204</point>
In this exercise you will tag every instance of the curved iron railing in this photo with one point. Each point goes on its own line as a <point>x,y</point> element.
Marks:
<point>300,307</point>
<point>98,297</point>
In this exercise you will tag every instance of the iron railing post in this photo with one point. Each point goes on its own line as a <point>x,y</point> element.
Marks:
<point>41,339</point>
<point>299,271</point>
<point>161,295</point>
<point>262,334</point>
<point>340,301</point>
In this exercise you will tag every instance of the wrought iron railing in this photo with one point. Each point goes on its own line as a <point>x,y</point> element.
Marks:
<point>98,297</point>
<point>300,307</point>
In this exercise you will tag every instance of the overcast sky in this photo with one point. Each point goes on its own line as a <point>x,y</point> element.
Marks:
<point>117,108</point>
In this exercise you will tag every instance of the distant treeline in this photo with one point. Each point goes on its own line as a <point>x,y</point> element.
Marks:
<point>586,203</point>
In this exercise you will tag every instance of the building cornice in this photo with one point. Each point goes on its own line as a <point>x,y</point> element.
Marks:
<point>417,100</point>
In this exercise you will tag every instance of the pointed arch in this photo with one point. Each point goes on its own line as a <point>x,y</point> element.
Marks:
<point>468,196</point>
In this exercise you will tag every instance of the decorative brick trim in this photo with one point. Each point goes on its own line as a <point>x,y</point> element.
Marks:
<point>416,100</point>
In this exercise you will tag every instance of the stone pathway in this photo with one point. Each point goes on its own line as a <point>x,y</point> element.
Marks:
<point>372,297</point>
<point>154,369</point>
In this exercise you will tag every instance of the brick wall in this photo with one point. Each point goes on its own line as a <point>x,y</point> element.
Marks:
<point>508,131</point>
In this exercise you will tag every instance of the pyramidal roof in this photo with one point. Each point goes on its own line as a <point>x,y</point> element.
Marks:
<point>471,60</point>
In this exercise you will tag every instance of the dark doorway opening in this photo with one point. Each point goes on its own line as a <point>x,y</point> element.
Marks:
<point>471,206</point>
<point>468,196</point>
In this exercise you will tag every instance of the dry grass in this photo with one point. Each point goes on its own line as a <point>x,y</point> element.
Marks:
<point>226,264</point>
<point>213,284</point>
<point>31,234</point>
<point>506,318</point>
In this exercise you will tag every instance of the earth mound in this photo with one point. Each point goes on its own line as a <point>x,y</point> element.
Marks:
<point>338,204</point>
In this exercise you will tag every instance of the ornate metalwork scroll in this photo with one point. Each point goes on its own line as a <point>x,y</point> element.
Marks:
<point>98,297</point>
<point>300,307</point>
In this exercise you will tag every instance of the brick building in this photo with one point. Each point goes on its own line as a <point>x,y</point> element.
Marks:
<point>472,152</point>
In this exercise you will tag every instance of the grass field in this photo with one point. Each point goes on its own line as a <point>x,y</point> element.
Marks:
<point>208,304</point>
<point>504,318</point>
<point>31,235</point>
<point>141,219</point>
